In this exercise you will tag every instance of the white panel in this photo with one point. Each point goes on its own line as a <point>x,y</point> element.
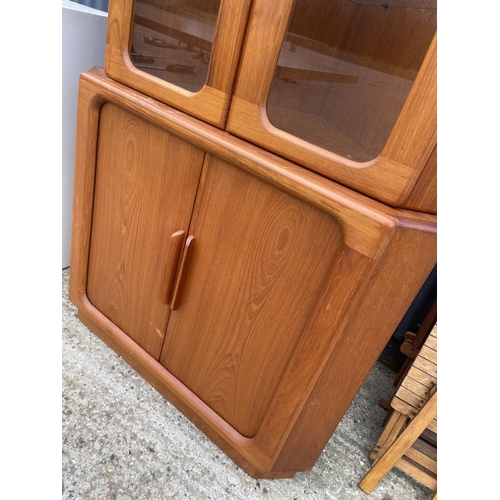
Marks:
<point>83,43</point>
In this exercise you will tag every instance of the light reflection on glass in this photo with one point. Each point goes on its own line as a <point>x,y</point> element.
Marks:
<point>345,70</point>
<point>172,39</point>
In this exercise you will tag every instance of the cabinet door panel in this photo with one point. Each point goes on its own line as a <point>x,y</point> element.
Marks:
<point>260,261</point>
<point>345,88</point>
<point>182,53</point>
<point>146,181</point>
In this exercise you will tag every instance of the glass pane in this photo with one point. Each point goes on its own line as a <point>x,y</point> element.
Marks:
<point>172,39</point>
<point>345,70</point>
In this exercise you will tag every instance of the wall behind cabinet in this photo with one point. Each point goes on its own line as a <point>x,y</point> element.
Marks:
<point>83,41</point>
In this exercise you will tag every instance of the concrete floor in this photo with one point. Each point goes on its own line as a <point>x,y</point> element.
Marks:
<point>123,441</point>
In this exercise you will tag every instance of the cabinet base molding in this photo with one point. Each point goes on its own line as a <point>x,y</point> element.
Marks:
<point>187,403</point>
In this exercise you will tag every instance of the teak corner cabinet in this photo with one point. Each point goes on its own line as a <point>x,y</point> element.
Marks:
<point>250,283</point>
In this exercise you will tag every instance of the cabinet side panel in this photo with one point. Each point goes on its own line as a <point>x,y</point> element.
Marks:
<point>146,181</point>
<point>424,195</point>
<point>398,278</point>
<point>261,259</point>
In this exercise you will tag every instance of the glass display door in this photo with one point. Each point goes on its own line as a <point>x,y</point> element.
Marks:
<point>181,52</point>
<point>345,90</point>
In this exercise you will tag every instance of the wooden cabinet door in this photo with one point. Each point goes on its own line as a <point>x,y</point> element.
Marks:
<point>259,262</point>
<point>344,88</point>
<point>289,287</point>
<point>145,186</point>
<point>183,53</point>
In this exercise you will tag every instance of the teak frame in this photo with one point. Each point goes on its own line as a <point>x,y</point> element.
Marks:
<point>389,178</point>
<point>211,103</point>
<point>384,260</point>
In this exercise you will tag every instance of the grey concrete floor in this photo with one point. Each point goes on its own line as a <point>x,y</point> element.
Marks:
<point>123,441</point>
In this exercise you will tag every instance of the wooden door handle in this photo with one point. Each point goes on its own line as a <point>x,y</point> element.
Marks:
<point>171,266</point>
<point>188,252</point>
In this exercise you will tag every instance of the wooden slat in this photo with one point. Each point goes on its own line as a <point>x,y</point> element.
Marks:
<point>416,388</point>
<point>425,366</point>
<point>429,354</point>
<point>433,426</point>
<point>429,437</point>
<point>416,473</point>
<point>421,458</point>
<point>403,407</point>
<point>421,377</point>
<point>431,342</point>
<point>317,76</point>
<point>434,331</point>
<point>391,431</point>
<point>397,450</point>
<point>419,461</point>
<point>411,398</point>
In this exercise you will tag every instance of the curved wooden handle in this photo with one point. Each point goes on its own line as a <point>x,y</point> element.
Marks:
<point>172,265</point>
<point>188,251</point>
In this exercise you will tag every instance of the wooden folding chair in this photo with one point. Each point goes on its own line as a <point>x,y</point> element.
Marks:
<point>411,346</point>
<point>409,439</point>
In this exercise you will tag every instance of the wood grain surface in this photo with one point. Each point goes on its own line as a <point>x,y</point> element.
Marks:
<point>392,286</point>
<point>211,103</point>
<point>290,293</point>
<point>261,259</point>
<point>173,260</point>
<point>423,198</point>
<point>146,181</point>
<point>367,224</point>
<point>390,174</point>
<point>396,451</point>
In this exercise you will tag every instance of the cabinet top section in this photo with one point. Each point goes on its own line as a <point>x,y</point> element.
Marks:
<point>345,88</point>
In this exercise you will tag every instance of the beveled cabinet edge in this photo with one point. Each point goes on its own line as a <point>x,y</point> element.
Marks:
<point>423,198</point>
<point>252,454</point>
<point>367,224</point>
<point>212,102</point>
<point>391,176</point>
<point>345,371</point>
